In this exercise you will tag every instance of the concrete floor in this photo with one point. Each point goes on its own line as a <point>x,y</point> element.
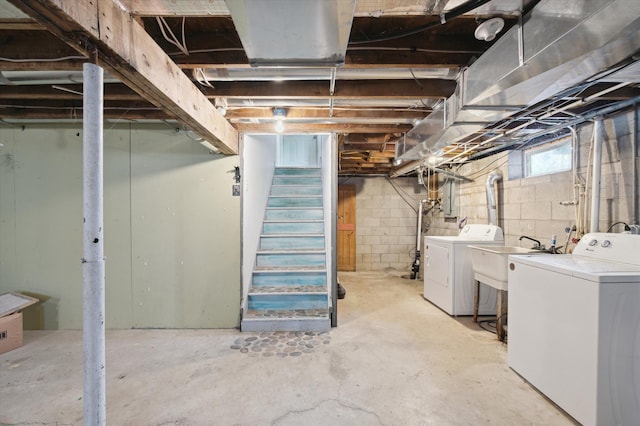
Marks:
<point>394,359</point>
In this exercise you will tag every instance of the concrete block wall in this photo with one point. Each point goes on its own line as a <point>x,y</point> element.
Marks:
<point>386,222</point>
<point>531,206</point>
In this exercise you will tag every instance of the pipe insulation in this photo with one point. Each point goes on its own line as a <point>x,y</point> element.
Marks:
<point>596,174</point>
<point>93,276</point>
<point>492,204</point>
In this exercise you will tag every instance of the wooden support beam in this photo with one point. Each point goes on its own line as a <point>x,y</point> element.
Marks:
<point>19,24</point>
<point>102,30</point>
<point>324,127</point>
<point>316,113</point>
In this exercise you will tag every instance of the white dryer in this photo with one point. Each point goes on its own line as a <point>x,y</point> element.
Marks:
<point>574,327</point>
<point>448,273</point>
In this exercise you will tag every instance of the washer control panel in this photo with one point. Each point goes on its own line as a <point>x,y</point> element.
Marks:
<point>623,248</point>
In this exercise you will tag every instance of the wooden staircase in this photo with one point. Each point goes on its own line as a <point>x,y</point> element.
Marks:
<point>288,289</point>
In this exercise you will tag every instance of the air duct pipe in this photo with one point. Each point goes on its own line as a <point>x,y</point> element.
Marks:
<point>492,205</point>
<point>596,174</point>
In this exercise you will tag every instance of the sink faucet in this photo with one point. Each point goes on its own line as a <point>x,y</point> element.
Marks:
<point>537,245</point>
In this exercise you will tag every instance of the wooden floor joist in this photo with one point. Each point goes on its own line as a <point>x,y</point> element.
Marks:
<point>102,31</point>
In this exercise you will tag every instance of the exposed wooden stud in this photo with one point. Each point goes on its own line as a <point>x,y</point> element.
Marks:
<point>104,31</point>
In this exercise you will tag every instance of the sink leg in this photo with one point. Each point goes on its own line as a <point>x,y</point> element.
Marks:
<point>476,301</point>
<point>501,314</point>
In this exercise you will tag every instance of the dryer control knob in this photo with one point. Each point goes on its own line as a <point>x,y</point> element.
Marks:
<point>606,243</point>
<point>593,243</point>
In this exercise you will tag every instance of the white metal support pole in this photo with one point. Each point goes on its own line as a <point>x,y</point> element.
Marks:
<point>596,174</point>
<point>93,276</point>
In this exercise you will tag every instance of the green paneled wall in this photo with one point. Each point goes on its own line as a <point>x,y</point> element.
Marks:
<point>172,227</point>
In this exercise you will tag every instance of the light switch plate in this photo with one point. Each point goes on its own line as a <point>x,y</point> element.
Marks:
<point>236,190</point>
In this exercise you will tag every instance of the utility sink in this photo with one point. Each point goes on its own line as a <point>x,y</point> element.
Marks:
<point>490,263</point>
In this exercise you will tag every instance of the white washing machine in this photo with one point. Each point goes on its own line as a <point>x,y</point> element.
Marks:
<point>574,327</point>
<point>448,272</point>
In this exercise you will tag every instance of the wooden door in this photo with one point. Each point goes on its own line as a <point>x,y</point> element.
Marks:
<point>346,228</point>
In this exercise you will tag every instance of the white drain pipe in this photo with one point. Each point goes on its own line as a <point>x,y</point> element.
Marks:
<point>492,204</point>
<point>596,174</point>
<point>93,338</point>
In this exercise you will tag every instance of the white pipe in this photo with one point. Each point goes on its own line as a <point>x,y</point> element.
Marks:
<point>419,230</point>
<point>634,157</point>
<point>596,173</point>
<point>93,336</point>
<point>492,204</point>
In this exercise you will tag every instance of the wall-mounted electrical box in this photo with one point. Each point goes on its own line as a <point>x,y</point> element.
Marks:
<point>449,204</point>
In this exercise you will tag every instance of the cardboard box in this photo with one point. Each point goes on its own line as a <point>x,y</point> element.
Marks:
<point>10,332</point>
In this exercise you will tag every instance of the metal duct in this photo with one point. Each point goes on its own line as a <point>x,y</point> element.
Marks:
<point>293,74</point>
<point>293,32</point>
<point>557,47</point>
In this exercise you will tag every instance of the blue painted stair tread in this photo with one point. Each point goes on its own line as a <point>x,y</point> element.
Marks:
<point>289,283</point>
<point>270,301</point>
<point>290,190</point>
<point>290,258</point>
<point>294,202</point>
<point>294,213</point>
<point>292,180</point>
<point>293,227</point>
<point>288,289</point>
<point>286,241</point>
<point>288,313</point>
<point>289,278</point>
<point>297,171</point>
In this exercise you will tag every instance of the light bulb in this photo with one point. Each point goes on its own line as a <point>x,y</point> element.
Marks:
<point>279,126</point>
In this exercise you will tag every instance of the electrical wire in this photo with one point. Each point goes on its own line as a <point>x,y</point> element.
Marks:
<point>171,37</point>
<point>480,171</point>
<point>411,49</point>
<point>626,226</point>
<point>401,196</point>
<point>491,325</point>
<point>453,13</point>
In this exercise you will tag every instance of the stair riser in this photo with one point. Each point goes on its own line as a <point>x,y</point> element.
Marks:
<point>270,243</point>
<point>287,302</point>
<point>293,228</point>
<point>290,260</point>
<point>310,214</point>
<point>318,325</point>
<point>291,279</point>
<point>284,171</point>
<point>287,180</point>
<point>296,190</point>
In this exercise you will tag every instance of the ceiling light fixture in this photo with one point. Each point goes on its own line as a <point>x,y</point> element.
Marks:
<point>279,114</point>
<point>488,29</point>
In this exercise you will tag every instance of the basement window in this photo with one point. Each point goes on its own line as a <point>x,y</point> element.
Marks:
<point>549,158</point>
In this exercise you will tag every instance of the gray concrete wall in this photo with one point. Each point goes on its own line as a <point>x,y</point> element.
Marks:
<point>172,227</point>
<point>386,223</point>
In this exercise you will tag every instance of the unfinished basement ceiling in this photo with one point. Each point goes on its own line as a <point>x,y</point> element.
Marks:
<point>391,84</point>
